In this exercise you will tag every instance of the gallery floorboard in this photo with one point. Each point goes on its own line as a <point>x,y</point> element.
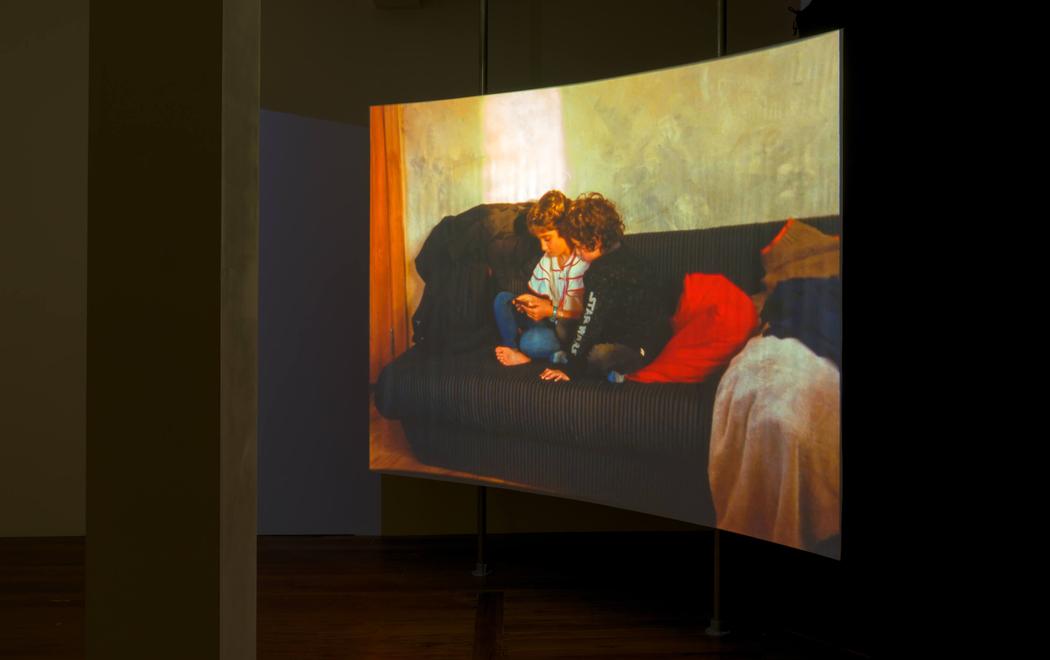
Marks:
<point>636,595</point>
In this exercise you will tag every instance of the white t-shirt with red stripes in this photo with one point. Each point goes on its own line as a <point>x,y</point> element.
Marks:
<point>562,284</point>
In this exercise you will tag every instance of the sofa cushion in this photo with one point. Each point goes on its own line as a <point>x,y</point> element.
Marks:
<point>798,250</point>
<point>713,321</point>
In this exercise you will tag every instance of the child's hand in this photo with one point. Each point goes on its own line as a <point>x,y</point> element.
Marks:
<point>554,374</point>
<point>525,300</point>
<point>534,307</point>
<point>539,310</point>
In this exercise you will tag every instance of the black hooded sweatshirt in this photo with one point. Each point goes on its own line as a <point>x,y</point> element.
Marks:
<point>623,305</point>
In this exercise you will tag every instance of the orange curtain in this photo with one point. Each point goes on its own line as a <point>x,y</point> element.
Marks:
<point>388,310</point>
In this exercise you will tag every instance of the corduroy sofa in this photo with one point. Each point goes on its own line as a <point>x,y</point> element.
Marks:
<point>636,446</point>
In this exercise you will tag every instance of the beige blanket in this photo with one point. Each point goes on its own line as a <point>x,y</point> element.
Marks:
<point>774,462</point>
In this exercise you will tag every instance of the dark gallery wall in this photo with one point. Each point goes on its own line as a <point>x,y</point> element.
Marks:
<point>43,266</point>
<point>332,59</point>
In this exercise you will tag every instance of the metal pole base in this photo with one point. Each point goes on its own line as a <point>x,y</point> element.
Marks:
<point>716,629</point>
<point>481,568</point>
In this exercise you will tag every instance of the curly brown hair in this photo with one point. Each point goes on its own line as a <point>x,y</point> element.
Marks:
<point>549,212</point>
<point>593,218</point>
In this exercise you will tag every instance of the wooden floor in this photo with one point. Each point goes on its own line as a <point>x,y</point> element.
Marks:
<point>639,595</point>
<point>42,598</point>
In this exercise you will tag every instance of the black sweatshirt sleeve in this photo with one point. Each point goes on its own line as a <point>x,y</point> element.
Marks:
<point>587,334</point>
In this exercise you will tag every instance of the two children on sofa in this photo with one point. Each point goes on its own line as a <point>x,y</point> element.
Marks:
<point>590,294</point>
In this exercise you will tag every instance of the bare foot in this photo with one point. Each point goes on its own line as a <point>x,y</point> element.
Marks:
<point>509,357</point>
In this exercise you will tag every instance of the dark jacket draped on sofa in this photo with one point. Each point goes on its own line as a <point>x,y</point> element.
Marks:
<point>464,262</point>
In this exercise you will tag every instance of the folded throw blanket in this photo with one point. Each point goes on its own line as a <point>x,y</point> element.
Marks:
<point>774,457</point>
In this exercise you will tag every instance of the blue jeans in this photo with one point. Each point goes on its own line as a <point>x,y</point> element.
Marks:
<point>539,341</point>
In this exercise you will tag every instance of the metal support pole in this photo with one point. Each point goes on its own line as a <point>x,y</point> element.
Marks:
<point>484,42</point>
<point>721,20</point>
<point>716,629</point>
<point>481,569</point>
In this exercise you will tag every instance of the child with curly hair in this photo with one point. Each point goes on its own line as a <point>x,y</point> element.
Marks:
<point>624,324</point>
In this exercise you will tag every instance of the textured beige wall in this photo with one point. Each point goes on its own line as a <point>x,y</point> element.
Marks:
<point>749,138</point>
<point>743,139</point>
<point>443,171</point>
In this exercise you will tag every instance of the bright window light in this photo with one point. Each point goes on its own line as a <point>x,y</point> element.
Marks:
<point>524,146</point>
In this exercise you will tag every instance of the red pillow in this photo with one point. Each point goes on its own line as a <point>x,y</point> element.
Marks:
<point>713,321</point>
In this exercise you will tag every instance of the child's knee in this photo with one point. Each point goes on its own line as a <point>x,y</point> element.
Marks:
<point>601,358</point>
<point>502,298</point>
<point>604,358</point>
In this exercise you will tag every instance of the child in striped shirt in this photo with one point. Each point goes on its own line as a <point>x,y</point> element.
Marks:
<point>547,316</point>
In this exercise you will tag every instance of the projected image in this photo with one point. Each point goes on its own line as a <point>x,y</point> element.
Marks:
<point>624,292</point>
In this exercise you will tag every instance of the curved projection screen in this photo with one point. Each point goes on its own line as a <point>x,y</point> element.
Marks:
<point>726,176</point>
